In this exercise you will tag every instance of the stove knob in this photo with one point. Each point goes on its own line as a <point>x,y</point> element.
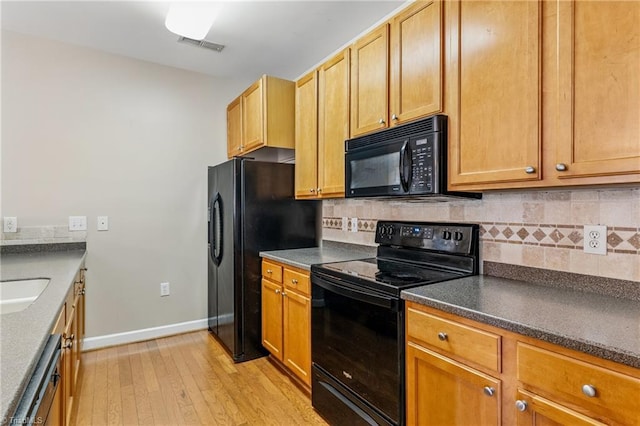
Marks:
<point>390,230</point>
<point>446,235</point>
<point>458,236</point>
<point>382,230</point>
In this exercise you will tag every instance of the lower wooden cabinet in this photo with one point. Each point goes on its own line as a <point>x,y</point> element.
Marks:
<point>441,391</point>
<point>449,380</point>
<point>286,317</point>
<point>70,324</point>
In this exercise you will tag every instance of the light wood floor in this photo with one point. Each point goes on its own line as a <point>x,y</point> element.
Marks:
<point>186,379</point>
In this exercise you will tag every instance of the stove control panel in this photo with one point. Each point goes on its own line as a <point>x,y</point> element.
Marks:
<point>457,238</point>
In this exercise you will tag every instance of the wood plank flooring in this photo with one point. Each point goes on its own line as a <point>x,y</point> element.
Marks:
<point>187,379</point>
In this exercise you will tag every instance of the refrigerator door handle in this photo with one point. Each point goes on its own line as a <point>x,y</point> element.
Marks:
<point>217,232</point>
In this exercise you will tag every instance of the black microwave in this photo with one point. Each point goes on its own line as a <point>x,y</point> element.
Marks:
<point>409,160</point>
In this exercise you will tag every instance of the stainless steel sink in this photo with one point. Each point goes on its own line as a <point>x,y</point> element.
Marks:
<point>16,295</point>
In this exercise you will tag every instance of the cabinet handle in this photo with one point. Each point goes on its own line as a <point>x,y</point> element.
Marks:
<point>530,170</point>
<point>561,167</point>
<point>521,405</point>
<point>319,190</point>
<point>442,336</point>
<point>84,290</point>
<point>381,121</point>
<point>277,291</point>
<point>269,271</point>
<point>294,281</point>
<point>489,391</point>
<point>589,390</point>
<point>312,190</point>
<point>394,117</point>
<point>284,294</point>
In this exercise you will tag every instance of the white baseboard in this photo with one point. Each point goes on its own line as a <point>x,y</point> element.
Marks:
<point>98,342</point>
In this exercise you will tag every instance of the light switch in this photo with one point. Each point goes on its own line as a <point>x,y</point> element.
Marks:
<point>77,223</point>
<point>103,223</point>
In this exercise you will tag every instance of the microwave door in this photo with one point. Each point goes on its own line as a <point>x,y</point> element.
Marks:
<point>375,171</point>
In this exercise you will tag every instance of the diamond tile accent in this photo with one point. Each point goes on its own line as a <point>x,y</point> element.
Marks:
<point>575,237</point>
<point>494,231</point>
<point>556,235</point>
<point>539,235</point>
<point>508,232</point>
<point>635,241</point>
<point>614,240</point>
<point>522,233</point>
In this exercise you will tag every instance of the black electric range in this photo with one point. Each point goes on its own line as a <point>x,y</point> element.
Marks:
<point>357,319</point>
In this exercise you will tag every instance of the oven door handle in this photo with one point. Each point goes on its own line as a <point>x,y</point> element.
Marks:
<point>357,294</point>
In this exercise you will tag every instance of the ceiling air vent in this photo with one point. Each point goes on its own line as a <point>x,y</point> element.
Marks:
<point>202,43</point>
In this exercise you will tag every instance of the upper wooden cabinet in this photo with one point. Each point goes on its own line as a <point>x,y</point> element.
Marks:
<point>267,110</point>
<point>598,89</point>
<point>396,71</point>
<point>322,126</point>
<point>542,94</point>
<point>493,91</point>
<point>234,128</point>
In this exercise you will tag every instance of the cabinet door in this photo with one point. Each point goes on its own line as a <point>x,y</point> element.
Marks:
<point>370,82</point>
<point>234,128</point>
<point>253,116</point>
<point>306,169</point>
<point>333,124</point>
<point>297,337</point>
<point>416,62</point>
<point>493,91</point>
<point>534,410</point>
<point>441,391</point>
<point>598,88</point>
<point>272,318</point>
<point>67,360</point>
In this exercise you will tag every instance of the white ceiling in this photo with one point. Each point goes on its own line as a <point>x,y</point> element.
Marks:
<point>279,38</point>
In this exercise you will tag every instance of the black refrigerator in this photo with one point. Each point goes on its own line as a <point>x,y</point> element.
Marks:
<point>251,209</point>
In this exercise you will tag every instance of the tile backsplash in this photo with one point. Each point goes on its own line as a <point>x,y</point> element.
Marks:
<point>542,229</point>
<point>42,234</point>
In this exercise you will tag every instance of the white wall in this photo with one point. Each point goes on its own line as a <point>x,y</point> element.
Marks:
<point>90,133</point>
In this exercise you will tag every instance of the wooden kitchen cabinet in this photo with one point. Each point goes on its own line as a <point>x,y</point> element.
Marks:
<point>71,324</point>
<point>234,128</point>
<point>533,382</point>
<point>322,126</point>
<point>396,71</point>
<point>493,91</point>
<point>266,111</point>
<point>562,111</point>
<point>286,317</point>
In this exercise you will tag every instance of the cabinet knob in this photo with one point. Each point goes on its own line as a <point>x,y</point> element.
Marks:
<point>442,336</point>
<point>530,170</point>
<point>589,390</point>
<point>489,391</point>
<point>381,121</point>
<point>394,117</point>
<point>521,405</point>
<point>312,190</point>
<point>319,190</point>
<point>83,291</point>
<point>561,167</point>
<point>269,271</point>
<point>284,294</point>
<point>294,281</point>
<point>277,291</point>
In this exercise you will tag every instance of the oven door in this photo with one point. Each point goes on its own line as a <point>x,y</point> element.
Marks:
<point>356,342</point>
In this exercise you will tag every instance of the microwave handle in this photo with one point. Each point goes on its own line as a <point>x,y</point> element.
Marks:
<point>405,166</point>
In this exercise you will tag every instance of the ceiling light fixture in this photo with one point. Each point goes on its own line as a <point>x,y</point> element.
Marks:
<point>191,19</point>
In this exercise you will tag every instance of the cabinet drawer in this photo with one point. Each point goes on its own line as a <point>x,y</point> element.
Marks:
<point>297,281</point>
<point>460,340</point>
<point>562,379</point>
<point>272,271</point>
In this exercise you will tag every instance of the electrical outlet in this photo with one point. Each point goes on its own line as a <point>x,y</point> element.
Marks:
<point>77,223</point>
<point>103,223</point>
<point>595,239</point>
<point>164,289</point>
<point>354,224</point>
<point>10,224</point>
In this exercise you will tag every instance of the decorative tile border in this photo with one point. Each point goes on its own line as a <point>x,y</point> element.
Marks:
<point>623,240</point>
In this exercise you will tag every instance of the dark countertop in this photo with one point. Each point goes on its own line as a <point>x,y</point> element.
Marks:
<point>24,334</point>
<point>330,251</point>
<point>605,326</point>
